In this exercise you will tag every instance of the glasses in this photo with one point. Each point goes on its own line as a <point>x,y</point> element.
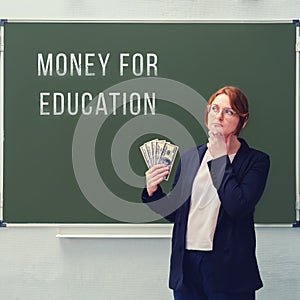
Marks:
<point>228,113</point>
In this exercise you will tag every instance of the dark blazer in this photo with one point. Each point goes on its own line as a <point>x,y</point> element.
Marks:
<point>240,185</point>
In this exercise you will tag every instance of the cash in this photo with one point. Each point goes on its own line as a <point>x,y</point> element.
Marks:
<point>159,152</point>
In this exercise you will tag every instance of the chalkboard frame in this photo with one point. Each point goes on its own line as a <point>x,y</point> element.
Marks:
<point>66,225</point>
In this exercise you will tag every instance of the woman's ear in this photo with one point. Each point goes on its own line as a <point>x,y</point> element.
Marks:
<point>245,123</point>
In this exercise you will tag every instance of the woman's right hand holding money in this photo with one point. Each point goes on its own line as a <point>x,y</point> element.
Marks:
<point>154,176</point>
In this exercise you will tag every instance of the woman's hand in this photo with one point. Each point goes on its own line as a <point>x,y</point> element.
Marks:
<point>154,176</point>
<point>218,143</point>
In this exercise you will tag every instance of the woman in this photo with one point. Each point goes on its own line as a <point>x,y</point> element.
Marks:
<point>213,243</point>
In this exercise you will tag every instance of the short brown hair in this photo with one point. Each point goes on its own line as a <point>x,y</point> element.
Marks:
<point>238,102</point>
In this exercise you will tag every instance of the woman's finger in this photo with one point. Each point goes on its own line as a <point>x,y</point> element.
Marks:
<point>157,169</point>
<point>152,178</point>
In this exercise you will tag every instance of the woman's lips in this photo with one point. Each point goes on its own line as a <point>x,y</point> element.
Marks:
<point>217,124</point>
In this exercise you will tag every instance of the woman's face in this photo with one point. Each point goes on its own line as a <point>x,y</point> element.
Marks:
<point>221,116</point>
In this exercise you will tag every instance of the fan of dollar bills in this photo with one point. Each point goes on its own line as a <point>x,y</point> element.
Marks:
<point>159,152</point>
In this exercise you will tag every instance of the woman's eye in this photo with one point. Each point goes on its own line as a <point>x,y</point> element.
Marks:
<point>229,112</point>
<point>215,108</point>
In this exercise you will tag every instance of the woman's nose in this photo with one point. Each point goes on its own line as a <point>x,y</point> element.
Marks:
<point>219,115</point>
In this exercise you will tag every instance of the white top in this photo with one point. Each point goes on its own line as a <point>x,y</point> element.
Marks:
<point>204,209</point>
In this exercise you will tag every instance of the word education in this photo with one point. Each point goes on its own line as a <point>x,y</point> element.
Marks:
<point>112,103</point>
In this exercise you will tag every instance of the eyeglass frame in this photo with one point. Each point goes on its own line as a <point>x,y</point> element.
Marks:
<point>226,115</point>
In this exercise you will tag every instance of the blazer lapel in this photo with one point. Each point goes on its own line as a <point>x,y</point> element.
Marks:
<point>190,166</point>
<point>237,164</point>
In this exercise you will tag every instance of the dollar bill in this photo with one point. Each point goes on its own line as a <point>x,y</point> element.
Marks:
<point>153,150</point>
<point>149,151</point>
<point>159,149</point>
<point>168,156</point>
<point>145,155</point>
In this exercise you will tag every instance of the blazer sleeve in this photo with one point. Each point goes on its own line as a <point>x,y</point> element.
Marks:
<point>239,196</point>
<point>158,194</point>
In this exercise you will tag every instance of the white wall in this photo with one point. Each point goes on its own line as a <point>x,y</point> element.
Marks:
<point>151,9</point>
<point>34,264</point>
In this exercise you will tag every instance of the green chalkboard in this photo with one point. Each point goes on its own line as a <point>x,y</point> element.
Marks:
<point>52,71</point>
